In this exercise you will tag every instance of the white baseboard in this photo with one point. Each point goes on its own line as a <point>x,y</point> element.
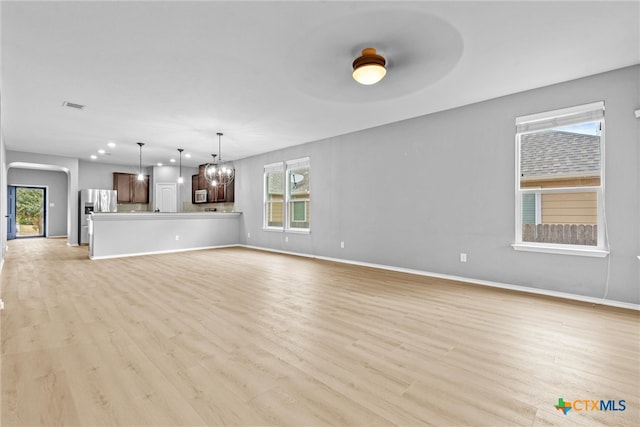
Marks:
<point>545,292</point>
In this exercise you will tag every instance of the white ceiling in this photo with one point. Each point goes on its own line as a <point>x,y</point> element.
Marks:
<point>275,74</point>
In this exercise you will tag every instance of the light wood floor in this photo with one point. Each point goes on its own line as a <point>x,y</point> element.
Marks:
<point>242,337</point>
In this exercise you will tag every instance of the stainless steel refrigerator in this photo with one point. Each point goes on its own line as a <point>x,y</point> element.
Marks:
<point>93,200</point>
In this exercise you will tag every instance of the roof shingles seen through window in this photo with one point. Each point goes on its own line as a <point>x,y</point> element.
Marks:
<point>559,153</point>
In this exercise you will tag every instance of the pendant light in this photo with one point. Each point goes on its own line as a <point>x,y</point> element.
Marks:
<point>211,172</point>
<point>368,69</point>
<point>219,173</point>
<point>226,172</point>
<point>140,174</point>
<point>180,178</point>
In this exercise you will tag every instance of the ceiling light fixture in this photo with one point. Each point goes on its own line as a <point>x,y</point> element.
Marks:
<point>211,172</point>
<point>180,178</point>
<point>140,174</point>
<point>219,173</point>
<point>369,68</point>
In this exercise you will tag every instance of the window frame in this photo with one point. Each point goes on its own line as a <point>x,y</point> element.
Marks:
<point>285,167</point>
<point>538,122</point>
<point>289,166</point>
<point>304,210</point>
<point>267,214</point>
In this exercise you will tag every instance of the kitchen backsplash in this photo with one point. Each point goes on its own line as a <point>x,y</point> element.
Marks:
<point>207,207</point>
<point>133,207</point>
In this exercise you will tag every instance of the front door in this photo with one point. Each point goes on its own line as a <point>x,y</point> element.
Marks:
<point>30,212</point>
<point>11,212</point>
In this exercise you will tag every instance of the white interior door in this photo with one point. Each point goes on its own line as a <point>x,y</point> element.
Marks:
<point>166,197</point>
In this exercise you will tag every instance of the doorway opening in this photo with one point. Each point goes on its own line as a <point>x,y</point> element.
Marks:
<point>29,211</point>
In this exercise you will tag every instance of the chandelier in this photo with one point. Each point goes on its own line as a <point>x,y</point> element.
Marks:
<point>218,172</point>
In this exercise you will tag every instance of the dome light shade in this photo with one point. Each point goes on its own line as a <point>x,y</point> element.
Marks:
<point>369,68</point>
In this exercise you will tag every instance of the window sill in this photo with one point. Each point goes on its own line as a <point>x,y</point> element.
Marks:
<point>562,250</point>
<point>288,230</point>
<point>296,231</point>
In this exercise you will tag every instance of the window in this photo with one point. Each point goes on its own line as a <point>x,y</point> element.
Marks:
<point>274,195</point>
<point>298,193</point>
<point>299,211</point>
<point>560,181</point>
<point>287,196</point>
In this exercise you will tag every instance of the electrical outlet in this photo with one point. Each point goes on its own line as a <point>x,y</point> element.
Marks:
<point>463,257</point>
<point>248,235</point>
<point>342,245</point>
<point>286,238</point>
<point>177,237</point>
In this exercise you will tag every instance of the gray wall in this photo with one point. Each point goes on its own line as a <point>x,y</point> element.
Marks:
<point>3,195</point>
<point>100,175</point>
<point>56,202</point>
<point>415,194</point>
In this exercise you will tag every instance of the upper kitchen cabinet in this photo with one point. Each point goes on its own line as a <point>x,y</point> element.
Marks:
<point>122,184</point>
<point>130,190</point>
<point>202,181</point>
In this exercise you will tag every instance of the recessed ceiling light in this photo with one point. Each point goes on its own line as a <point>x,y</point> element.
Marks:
<point>72,105</point>
<point>187,155</point>
<point>111,144</point>
<point>159,164</point>
<point>172,160</point>
<point>101,151</point>
<point>93,157</point>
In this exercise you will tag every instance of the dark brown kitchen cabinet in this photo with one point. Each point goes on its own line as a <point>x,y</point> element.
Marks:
<point>194,187</point>
<point>122,184</point>
<point>219,194</point>
<point>202,181</point>
<point>130,190</point>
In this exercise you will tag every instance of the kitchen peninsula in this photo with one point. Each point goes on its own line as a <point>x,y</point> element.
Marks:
<point>113,235</point>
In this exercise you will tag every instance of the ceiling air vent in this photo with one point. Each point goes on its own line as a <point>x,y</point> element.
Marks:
<point>72,105</point>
